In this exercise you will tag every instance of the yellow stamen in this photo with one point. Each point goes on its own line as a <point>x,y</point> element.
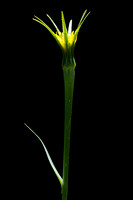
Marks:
<point>71,39</point>
<point>60,37</point>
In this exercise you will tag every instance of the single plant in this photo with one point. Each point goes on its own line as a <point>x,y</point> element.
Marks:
<point>66,40</point>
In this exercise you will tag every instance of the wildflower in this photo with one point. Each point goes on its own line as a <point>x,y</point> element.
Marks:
<point>66,39</point>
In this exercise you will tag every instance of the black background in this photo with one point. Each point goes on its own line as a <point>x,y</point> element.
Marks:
<point>95,154</point>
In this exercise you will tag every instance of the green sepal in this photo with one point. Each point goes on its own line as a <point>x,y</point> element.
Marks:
<point>64,28</point>
<point>83,18</point>
<point>68,62</point>
<point>37,19</point>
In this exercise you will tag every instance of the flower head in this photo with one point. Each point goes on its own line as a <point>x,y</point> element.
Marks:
<point>67,38</point>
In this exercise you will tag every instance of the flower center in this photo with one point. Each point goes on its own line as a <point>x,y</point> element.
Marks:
<point>61,38</point>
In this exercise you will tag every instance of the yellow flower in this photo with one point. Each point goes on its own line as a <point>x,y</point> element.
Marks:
<point>60,37</point>
<point>66,39</point>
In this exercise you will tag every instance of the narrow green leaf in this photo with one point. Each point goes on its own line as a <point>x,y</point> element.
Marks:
<point>48,156</point>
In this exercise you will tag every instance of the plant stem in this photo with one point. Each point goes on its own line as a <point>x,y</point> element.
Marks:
<point>69,76</point>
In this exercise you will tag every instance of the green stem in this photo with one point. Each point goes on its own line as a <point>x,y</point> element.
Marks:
<point>69,76</point>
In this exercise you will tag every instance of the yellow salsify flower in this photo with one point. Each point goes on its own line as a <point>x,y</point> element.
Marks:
<point>71,40</point>
<point>66,39</point>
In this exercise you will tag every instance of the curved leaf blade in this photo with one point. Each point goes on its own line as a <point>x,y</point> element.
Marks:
<point>48,156</point>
